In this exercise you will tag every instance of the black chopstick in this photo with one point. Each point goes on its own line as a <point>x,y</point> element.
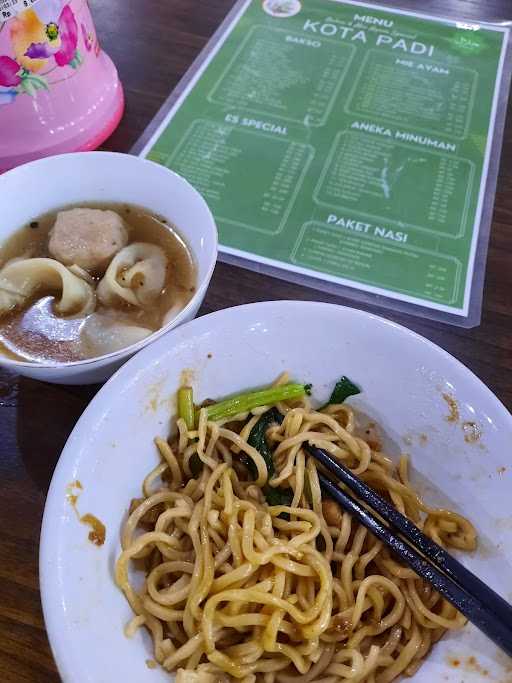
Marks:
<point>488,611</point>
<point>435,553</point>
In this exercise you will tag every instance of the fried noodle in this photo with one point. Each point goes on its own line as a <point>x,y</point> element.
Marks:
<point>237,589</point>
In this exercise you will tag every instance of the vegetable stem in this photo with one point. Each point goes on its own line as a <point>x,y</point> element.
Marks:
<point>243,403</point>
<point>186,406</point>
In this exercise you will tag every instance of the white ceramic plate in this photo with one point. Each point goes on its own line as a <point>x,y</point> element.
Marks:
<point>403,377</point>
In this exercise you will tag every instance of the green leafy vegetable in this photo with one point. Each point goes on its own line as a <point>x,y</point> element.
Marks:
<point>258,439</point>
<point>243,403</point>
<point>342,390</point>
<point>186,406</point>
<point>278,496</point>
<point>249,463</point>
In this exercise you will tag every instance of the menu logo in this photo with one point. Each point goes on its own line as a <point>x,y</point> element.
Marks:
<point>282,8</point>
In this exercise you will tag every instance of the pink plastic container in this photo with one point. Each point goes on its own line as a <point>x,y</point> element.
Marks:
<point>59,92</point>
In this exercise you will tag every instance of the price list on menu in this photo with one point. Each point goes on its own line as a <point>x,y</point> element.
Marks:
<point>344,142</point>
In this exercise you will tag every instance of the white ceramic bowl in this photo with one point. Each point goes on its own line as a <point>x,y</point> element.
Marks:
<point>403,377</point>
<point>48,184</point>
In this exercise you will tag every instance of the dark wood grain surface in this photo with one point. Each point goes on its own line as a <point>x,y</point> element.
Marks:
<point>153,42</point>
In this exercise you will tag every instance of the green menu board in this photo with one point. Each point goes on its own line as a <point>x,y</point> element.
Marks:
<point>344,142</point>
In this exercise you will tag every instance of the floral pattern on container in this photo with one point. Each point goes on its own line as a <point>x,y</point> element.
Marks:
<point>47,44</point>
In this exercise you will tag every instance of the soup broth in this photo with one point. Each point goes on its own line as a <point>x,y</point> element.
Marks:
<point>36,333</point>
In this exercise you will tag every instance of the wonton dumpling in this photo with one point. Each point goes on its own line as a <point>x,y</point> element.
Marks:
<point>21,278</point>
<point>81,273</point>
<point>89,238</point>
<point>136,276</point>
<point>103,334</point>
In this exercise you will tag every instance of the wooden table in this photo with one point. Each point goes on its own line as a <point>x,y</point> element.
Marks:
<point>153,42</point>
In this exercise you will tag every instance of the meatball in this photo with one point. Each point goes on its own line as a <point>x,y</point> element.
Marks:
<point>88,238</point>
